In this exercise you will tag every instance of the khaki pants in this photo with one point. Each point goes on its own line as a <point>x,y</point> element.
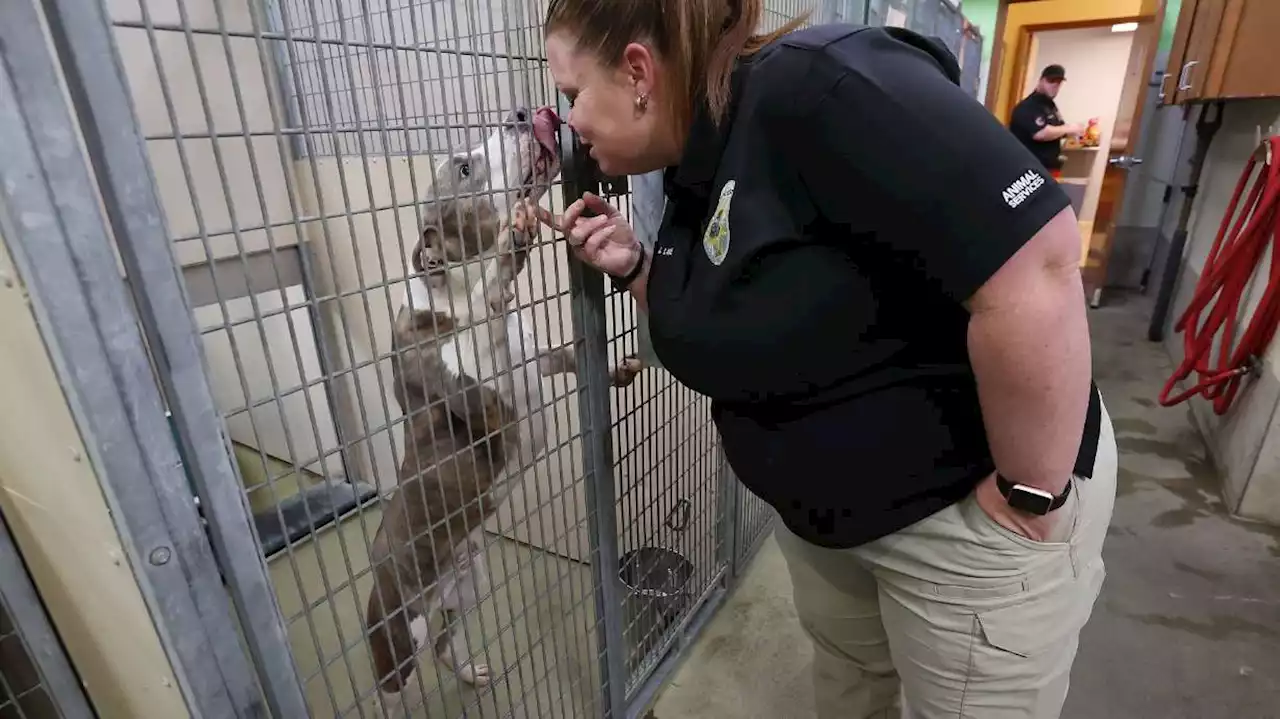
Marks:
<point>954,616</point>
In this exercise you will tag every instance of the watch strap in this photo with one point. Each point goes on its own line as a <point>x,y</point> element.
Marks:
<point>1006,489</point>
<point>621,283</point>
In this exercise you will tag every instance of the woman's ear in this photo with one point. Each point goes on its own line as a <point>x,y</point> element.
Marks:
<point>641,67</point>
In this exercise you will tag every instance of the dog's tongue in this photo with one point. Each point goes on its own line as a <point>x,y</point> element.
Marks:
<point>545,124</point>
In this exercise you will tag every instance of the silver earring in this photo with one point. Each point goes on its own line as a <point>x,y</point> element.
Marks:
<point>642,102</point>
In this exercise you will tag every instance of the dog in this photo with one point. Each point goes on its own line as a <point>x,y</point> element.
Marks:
<point>467,375</point>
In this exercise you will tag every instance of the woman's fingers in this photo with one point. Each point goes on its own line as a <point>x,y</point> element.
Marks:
<point>579,233</point>
<point>589,251</point>
<point>572,214</point>
<point>562,223</point>
<point>600,252</point>
<point>597,205</point>
<point>591,248</point>
<point>587,236</point>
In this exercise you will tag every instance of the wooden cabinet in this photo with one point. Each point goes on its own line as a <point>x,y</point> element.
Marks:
<point>1223,50</point>
<point>1206,24</point>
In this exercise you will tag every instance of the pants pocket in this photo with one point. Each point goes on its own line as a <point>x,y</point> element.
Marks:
<point>1045,621</point>
<point>982,590</point>
<point>1067,519</point>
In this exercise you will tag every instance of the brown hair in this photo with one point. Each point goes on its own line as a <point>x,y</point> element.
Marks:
<point>698,40</point>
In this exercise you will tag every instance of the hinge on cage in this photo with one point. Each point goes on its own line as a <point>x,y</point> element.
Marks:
<point>195,500</point>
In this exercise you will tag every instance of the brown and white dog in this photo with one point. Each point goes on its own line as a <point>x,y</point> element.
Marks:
<point>467,377</point>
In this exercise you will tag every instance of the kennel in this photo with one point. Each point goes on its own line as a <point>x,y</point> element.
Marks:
<point>211,204</point>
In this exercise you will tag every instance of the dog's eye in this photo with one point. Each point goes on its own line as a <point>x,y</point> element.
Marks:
<point>464,169</point>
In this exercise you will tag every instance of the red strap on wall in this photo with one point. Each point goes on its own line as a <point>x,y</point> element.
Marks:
<point>1238,251</point>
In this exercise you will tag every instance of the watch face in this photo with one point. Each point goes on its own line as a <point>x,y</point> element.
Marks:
<point>1030,500</point>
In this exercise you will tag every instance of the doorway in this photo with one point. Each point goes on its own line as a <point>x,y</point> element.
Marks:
<point>1092,93</point>
<point>1108,66</point>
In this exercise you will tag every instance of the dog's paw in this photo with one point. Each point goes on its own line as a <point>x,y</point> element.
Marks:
<point>524,224</point>
<point>475,675</point>
<point>522,240</point>
<point>626,371</point>
<point>499,298</point>
<point>524,218</point>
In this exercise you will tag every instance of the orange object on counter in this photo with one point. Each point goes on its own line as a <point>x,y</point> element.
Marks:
<point>1092,133</point>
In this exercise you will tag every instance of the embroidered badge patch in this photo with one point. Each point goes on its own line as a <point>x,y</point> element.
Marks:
<point>715,242</point>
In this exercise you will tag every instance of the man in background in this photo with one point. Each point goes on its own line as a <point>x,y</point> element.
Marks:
<point>1038,125</point>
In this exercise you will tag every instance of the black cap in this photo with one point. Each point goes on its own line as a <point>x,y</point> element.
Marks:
<point>1054,72</point>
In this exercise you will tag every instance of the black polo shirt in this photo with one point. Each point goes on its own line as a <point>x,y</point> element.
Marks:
<point>1030,116</point>
<point>810,268</point>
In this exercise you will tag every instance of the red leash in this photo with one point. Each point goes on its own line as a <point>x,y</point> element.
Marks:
<point>1238,250</point>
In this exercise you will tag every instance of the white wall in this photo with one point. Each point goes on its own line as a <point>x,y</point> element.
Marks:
<point>1095,60</point>
<point>1246,442</point>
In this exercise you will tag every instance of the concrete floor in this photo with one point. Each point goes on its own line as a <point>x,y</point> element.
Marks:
<point>533,630</point>
<point>1188,624</point>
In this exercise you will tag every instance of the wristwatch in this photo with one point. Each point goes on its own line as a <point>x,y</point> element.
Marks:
<point>621,283</point>
<point>1030,499</point>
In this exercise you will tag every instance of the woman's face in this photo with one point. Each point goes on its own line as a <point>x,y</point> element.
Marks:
<point>623,139</point>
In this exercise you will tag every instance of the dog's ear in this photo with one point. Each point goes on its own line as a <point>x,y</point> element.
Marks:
<point>481,228</point>
<point>467,228</point>
<point>451,225</point>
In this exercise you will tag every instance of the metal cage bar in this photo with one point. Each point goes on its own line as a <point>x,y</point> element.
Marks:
<point>36,678</point>
<point>589,315</point>
<point>62,248</point>
<point>100,93</point>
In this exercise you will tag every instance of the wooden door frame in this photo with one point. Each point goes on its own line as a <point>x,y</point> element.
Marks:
<point>1095,277</point>
<point>1022,54</point>
<point>997,52</point>
<point>1144,89</point>
<point>997,39</point>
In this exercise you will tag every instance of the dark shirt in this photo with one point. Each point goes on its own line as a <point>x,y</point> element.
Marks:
<point>811,267</point>
<point>1030,116</point>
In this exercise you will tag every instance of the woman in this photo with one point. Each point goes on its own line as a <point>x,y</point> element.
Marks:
<point>879,289</point>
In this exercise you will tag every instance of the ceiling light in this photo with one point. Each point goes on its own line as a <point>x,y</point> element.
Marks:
<point>1124,27</point>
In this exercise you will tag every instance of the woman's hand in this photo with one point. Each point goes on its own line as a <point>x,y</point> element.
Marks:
<point>604,241</point>
<point>1037,529</point>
